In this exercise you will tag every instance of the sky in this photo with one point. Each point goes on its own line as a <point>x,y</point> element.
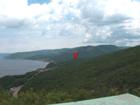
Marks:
<point>27,25</point>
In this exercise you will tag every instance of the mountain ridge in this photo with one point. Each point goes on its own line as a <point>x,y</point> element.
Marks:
<point>62,55</point>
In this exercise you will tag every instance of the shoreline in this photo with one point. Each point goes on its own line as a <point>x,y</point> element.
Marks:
<point>2,74</point>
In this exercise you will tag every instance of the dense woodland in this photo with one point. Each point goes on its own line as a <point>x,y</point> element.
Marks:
<point>110,74</point>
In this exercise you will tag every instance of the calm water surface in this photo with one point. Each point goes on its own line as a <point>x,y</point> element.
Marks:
<point>16,67</point>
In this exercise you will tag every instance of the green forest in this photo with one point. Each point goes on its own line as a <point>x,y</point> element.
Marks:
<point>72,80</point>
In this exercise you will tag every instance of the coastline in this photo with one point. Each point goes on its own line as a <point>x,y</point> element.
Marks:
<point>22,66</point>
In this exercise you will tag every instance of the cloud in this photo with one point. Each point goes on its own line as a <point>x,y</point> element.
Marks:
<point>111,21</point>
<point>68,23</point>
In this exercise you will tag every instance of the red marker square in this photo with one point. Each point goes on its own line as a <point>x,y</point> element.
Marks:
<point>75,55</point>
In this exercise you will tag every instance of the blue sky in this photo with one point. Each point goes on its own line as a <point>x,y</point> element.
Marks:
<point>42,24</point>
<point>38,1</point>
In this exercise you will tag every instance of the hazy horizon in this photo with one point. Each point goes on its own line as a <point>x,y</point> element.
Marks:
<point>61,48</point>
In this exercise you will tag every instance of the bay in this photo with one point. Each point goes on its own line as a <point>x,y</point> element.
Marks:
<point>18,67</point>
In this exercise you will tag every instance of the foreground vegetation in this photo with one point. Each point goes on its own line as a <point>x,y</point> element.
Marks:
<point>31,97</point>
<point>43,97</point>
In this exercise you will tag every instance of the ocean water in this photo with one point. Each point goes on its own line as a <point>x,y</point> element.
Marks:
<point>17,67</point>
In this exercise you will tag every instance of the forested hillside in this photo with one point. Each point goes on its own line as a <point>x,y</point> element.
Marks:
<point>110,74</point>
<point>118,71</point>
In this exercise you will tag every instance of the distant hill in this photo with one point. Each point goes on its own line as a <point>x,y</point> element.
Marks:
<point>65,54</point>
<point>118,72</point>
